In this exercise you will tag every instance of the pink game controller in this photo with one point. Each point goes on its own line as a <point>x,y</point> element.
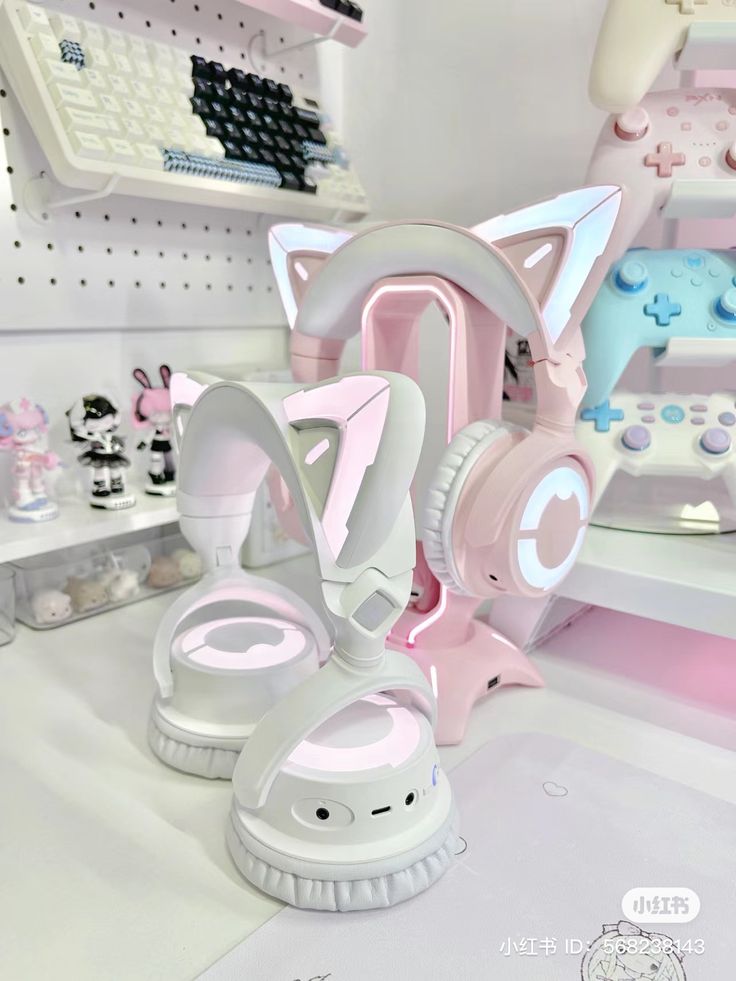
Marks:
<point>639,37</point>
<point>676,152</point>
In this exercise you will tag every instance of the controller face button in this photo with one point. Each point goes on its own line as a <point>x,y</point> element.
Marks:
<point>716,441</point>
<point>649,419</point>
<point>646,406</point>
<point>697,421</point>
<point>663,309</point>
<point>727,419</point>
<point>726,306</point>
<point>694,261</point>
<point>673,414</point>
<point>632,125</point>
<point>637,438</point>
<point>665,159</point>
<point>631,276</point>
<point>731,156</point>
<point>699,408</point>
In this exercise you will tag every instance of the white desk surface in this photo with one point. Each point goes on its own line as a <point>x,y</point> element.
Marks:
<point>117,866</point>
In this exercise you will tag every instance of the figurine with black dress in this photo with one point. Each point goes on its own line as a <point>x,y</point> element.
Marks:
<point>94,420</point>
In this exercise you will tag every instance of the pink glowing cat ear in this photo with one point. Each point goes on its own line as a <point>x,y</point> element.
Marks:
<point>556,247</point>
<point>297,254</point>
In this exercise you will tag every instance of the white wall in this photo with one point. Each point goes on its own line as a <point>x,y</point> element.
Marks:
<point>460,109</point>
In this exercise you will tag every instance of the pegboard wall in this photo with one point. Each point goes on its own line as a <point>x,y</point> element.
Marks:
<point>124,262</point>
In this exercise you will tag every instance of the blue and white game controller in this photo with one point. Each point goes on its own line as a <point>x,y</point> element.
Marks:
<point>648,299</point>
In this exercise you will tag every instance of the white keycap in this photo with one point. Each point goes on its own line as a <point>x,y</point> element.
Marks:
<point>66,27</point>
<point>96,57</point>
<point>71,95</point>
<point>96,80</point>
<point>133,109</point>
<point>164,74</point>
<point>109,103</point>
<point>182,60</point>
<point>140,90</point>
<point>143,69</point>
<point>57,71</point>
<point>197,126</point>
<point>121,150</point>
<point>154,114</point>
<point>45,46</point>
<point>116,41</point>
<point>118,84</point>
<point>178,122</point>
<point>154,133</point>
<point>34,19</point>
<point>82,119</point>
<point>161,53</point>
<point>149,155</point>
<point>162,96</point>
<point>93,34</point>
<point>88,145</point>
<point>177,140</point>
<point>137,47</point>
<point>134,128</point>
<point>121,63</point>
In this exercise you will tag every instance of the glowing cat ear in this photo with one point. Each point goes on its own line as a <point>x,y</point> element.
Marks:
<point>297,254</point>
<point>556,247</point>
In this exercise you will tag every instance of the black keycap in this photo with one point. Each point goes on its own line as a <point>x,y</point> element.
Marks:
<point>297,148</point>
<point>317,136</point>
<point>200,67</point>
<point>266,139</point>
<point>270,123</point>
<point>254,84</point>
<point>248,134</point>
<point>237,114</point>
<point>267,157</point>
<point>286,128</point>
<point>282,144</point>
<point>218,109</point>
<point>285,93</point>
<point>231,130</point>
<point>220,92</point>
<point>239,98</point>
<point>217,71</point>
<point>238,78</point>
<point>282,160</point>
<point>214,128</point>
<point>285,110</point>
<point>253,119</point>
<point>272,106</point>
<point>250,153</point>
<point>301,132</point>
<point>290,181</point>
<point>271,88</point>
<point>308,186</point>
<point>357,13</point>
<point>203,88</point>
<point>343,7</point>
<point>332,4</point>
<point>306,116</point>
<point>232,150</point>
<point>256,103</point>
<point>298,165</point>
<point>199,105</point>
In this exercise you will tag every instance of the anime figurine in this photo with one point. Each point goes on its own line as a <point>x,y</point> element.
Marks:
<point>23,431</point>
<point>94,420</point>
<point>152,411</point>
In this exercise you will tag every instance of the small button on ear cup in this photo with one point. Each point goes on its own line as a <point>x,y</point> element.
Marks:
<point>459,458</point>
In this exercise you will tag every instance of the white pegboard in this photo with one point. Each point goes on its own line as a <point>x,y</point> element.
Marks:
<point>124,262</point>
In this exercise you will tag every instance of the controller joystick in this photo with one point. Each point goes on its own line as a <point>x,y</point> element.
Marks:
<point>631,276</point>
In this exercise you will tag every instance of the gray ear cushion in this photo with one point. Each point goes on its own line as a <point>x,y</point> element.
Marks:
<point>201,761</point>
<point>344,895</point>
<point>439,504</point>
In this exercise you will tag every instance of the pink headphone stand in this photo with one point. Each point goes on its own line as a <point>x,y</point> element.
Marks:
<point>462,657</point>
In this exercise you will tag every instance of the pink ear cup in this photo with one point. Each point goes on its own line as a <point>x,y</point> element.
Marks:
<point>515,512</point>
<point>440,504</point>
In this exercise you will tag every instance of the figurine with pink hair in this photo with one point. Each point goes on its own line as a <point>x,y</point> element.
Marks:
<point>152,411</point>
<point>23,431</point>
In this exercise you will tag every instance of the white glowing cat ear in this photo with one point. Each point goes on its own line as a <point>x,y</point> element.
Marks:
<point>561,249</point>
<point>297,254</point>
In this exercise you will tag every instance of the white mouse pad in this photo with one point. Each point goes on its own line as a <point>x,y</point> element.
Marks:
<point>556,837</point>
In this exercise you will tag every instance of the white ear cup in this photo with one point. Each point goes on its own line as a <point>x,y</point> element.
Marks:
<point>462,452</point>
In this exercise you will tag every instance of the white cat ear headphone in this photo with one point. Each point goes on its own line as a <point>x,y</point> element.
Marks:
<point>339,798</point>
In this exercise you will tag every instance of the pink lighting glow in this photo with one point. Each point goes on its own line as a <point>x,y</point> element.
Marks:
<point>432,618</point>
<point>198,643</point>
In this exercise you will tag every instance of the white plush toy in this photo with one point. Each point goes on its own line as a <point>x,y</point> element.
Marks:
<point>122,585</point>
<point>51,606</point>
<point>190,564</point>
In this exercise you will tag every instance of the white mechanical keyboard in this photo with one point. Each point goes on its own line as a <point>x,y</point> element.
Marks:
<point>113,109</point>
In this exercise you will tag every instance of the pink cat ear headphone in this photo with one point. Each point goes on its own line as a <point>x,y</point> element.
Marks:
<point>507,508</point>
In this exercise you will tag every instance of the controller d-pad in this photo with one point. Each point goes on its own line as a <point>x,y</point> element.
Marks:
<point>687,6</point>
<point>602,415</point>
<point>662,309</point>
<point>664,160</point>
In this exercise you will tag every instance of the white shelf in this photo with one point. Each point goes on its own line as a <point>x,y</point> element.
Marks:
<point>79,524</point>
<point>686,580</point>
<point>311,15</point>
